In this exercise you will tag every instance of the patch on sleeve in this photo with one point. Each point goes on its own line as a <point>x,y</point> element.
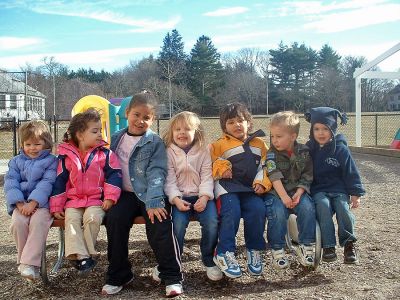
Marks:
<point>271,166</point>
<point>270,155</point>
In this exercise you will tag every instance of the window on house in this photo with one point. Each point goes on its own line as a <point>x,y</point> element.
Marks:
<point>2,101</point>
<point>13,102</point>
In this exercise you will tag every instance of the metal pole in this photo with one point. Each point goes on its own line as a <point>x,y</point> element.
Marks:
<point>26,95</point>
<point>54,97</point>
<point>376,130</point>
<point>358,111</point>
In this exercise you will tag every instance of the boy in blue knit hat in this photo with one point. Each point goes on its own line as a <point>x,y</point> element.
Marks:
<point>337,186</point>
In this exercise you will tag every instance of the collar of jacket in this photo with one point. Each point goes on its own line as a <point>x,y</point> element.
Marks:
<point>258,133</point>
<point>66,146</point>
<point>42,153</point>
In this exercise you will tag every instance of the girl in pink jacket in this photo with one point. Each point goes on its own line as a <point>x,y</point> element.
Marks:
<point>88,183</point>
<point>189,185</point>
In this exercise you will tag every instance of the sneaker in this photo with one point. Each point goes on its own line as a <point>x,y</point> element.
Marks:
<point>109,289</point>
<point>350,253</point>
<point>254,262</point>
<point>29,272</point>
<point>214,273</point>
<point>279,259</point>
<point>227,263</point>
<point>173,290</point>
<point>329,254</point>
<point>306,255</point>
<point>155,274</point>
<point>86,265</point>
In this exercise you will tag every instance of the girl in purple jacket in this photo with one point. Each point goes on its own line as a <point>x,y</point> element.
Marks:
<point>88,183</point>
<point>28,184</point>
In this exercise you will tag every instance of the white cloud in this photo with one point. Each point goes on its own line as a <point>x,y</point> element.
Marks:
<point>95,59</point>
<point>92,11</point>
<point>11,43</point>
<point>222,12</point>
<point>366,16</point>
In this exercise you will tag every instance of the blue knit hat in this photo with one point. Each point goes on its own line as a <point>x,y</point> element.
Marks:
<point>327,116</point>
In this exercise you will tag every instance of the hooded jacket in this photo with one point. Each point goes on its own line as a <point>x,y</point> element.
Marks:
<point>334,168</point>
<point>30,179</point>
<point>245,159</point>
<point>84,183</point>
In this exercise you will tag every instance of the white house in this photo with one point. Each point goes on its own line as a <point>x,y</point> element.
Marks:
<point>19,100</point>
<point>394,99</point>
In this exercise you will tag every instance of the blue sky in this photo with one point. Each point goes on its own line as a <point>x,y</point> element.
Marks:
<point>107,34</point>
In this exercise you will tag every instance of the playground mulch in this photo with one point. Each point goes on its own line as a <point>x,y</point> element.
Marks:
<point>376,277</point>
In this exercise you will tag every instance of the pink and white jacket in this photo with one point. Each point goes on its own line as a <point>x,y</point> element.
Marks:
<point>88,182</point>
<point>189,174</point>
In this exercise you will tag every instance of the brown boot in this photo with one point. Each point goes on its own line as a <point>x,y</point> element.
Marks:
<point>350,253</point>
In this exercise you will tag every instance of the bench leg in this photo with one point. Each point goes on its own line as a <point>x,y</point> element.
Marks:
<point>43,266</point>
<point>61,250</point>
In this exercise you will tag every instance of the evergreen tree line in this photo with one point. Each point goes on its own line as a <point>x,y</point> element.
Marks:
<point>290,77</point>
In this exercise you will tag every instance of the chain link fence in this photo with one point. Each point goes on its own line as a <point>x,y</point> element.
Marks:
<point>378,130</point>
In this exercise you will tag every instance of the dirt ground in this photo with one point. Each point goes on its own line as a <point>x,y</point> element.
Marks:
<point>376,277</point>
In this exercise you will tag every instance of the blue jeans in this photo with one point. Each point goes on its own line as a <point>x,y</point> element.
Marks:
<point>251,208</point>
<point>208,219</point>
<point>277,215</point>
<point>327,204</point>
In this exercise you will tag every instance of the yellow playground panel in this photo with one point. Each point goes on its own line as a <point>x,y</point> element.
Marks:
<point>102,105</point>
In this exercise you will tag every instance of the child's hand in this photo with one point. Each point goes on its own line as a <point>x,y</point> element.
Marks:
<point>107,204</point>
<point>160,213</point>
<point>59,215</point>
<point>296,197</point>
<point>201,204</point>
<point>19,206</point>
<point>259,189</point>
<point>355,201</point>
<point>227,174</point>
<point>29,208</point>
<point>181,204</point>
<point>287,201</point>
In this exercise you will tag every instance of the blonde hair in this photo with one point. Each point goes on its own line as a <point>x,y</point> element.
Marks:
<point>288,119</point>
<point>37,130</point>
<point>192,120</point>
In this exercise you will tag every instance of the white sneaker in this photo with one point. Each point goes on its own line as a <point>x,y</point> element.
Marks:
<point>214,273</point>
<point>173,290</point>
<point>155,274</point>
<point>29,272</point>
<point>306,255</point>
<point>279,259</point>
<point>109,289</point>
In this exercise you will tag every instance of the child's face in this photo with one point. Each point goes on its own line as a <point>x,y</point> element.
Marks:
<point>321,133</point>
<point>237,127</point>
<point>140,118</point>
<point>32,147</point>
<point>282,138</point>
<point>183,135</point>
<point>91,136</point>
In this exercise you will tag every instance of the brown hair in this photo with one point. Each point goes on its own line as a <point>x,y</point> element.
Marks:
<point>145,97</point>
<point>192,120</point>
<point>233,110</point>
<point>38,130</point>
<point>79,123</point>
<point>288,119</point>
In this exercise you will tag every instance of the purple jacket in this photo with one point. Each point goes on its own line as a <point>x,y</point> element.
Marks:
<point>30,179</point>
<point>88,182</point>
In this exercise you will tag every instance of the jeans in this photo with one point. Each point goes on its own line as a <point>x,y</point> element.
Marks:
<point>327,204</point>
<point>277,215</point>
<point>251,208</point>
<point>208,219</point>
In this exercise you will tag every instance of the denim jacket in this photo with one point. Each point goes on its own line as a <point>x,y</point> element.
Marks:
<point>147,167</point>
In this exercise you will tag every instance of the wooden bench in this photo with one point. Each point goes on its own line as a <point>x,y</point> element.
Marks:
<point>61,249</point>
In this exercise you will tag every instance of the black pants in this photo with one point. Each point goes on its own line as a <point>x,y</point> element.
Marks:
<point>119,220</point>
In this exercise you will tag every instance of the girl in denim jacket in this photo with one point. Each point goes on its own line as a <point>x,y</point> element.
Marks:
<point>143,159</point>
<point>190,185</point>
<point>28,184</point>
